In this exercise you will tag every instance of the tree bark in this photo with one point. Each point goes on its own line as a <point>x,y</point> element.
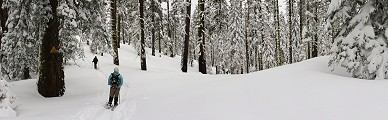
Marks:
<point>246,37</point>
<point>118,30</point>
<point>277,27</point>
<point>314,44</point>
<point>142,44</point>
<point>51,76</point>
<point>290,16</point>
<point>114,32</point>
<point>3,20</point>
<point>153,27</point>
<point>187,37</point>
<point>201,36</point>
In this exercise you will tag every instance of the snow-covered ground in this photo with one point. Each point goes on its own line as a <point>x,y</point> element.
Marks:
<point>300,91</point>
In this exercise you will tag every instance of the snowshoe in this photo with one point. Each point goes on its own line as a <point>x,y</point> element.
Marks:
<point>113,107</point>
<point>108,106</point>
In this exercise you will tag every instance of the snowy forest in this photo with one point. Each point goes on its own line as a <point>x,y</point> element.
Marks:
<point>40,37</point>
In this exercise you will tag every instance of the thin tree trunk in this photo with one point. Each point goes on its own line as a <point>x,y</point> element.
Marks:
<point>160,29</point>
<point>301,20</point>
<point>118,30</point>
<point>315,42</point>
<point>187,37</point>
<point>290,16</point>
<point>277,27</point>
<point>246,38</point>
<point>153,27</point>
<point>201,36</point>
<point>142,52</point>
<point>51,76</point>
<point>261,66</point>
<point>307,22</point>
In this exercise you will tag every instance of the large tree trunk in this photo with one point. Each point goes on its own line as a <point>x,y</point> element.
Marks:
<point>114,32</point>
<point>187,37</point>
<point>51,76</point>
<point>290,16</point>
<point>201,36</point>
<point>143,62</point>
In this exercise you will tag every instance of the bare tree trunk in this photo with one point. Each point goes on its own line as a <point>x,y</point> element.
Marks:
<point>3,20</point>
<point>118,30</point>
<point>290,16</point>
<point>142,52</point>
<point>277,27</point>
<point>51,76</point>
<point>246,37</point>
<point>314,44</point>
<point>153,27</point>
<point>114,32</point>
<point>187,37</point>
<point>301,20</point>
<point>201,36</point>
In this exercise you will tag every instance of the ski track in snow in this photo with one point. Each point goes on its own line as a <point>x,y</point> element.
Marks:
<point>96,111</point>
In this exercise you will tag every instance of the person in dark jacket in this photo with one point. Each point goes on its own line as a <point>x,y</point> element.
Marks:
<point>115,81</point>
<point>95,60</point>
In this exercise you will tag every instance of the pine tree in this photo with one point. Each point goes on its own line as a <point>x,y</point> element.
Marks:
<point>361,44</point>
<point>51,76</point>
<point>21,38</point>
<point>216,28</point>
<point>95,27</point>
<point>71,46</point>
<point>8,101</point>
<point>233,52</point>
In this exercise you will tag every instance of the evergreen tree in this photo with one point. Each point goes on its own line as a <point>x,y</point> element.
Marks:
<point>216,28</point>
<point>233,53</point>
<point>277,28</point>
<point>20,54</point>
<point>71,46</point>
<point>361,44</point>
<point>94,26</point>
<point>8,101</point>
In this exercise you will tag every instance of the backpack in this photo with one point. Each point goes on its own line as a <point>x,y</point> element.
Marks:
<point>115,79</point>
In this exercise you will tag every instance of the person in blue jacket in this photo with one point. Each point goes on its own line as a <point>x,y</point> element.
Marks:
<point>115,81</point>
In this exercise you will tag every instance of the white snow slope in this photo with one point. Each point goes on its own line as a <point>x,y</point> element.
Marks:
<point>300,91</point>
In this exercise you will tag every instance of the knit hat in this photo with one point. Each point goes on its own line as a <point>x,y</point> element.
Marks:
<point>116,69</point>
